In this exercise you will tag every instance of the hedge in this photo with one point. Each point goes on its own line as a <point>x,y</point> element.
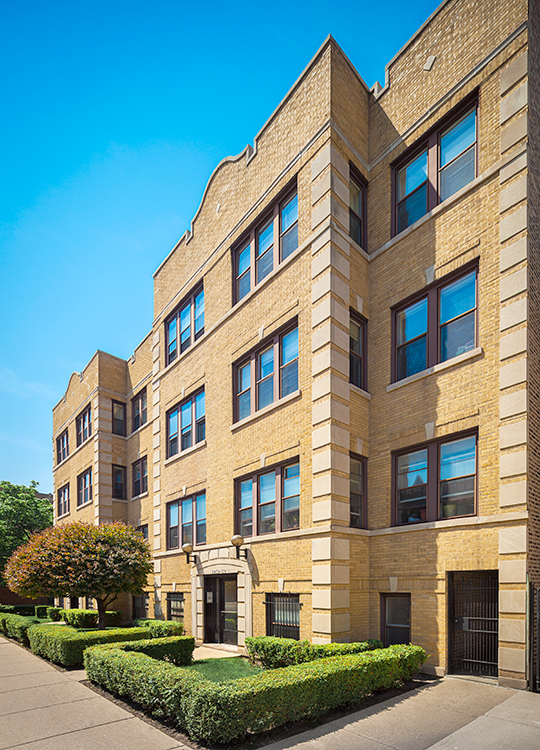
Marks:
<point>41,611</point>
<point>274,653</point>
<point>25,610</point>
<point>16,626</point>
<point>161,628</point>
<point>177,649</point>
<point>221,712</point>
<point>65,645</point>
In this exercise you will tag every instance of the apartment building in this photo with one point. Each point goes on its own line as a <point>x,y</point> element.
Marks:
<point>330,431</point>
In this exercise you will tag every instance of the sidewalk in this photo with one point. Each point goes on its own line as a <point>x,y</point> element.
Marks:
<point>42,708</point>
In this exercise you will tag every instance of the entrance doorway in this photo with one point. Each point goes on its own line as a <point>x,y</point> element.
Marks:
<point>473,622</point>
<point>220,609</point>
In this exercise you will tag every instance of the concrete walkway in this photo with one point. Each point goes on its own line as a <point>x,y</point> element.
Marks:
<point>42,708</point>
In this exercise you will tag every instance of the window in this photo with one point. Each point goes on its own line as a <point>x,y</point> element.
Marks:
<point>442,164</point>
<point>141,607</point>
<point>139,410</point>
<point>357,491</point>
<point>84,487</point>
<point>186,424</point>
<point>62,447</point>
<point>357,348</point>
<point>185,325</point>
<point>268,374</point>
<point>357,208</point>
<point>395,619</point>
<point>283,615</point>
<point>144,530</point>
<point>140,477</point>
<point>181,516</point>
<point>437,326</point>
<point>84,425</point>
<point>266,245</point>
<point>435,481</point>
<point>119,482</point>
<point>63,501</point>
<point>268,501</point>
<point>175,607</point>
<point>118,418</point>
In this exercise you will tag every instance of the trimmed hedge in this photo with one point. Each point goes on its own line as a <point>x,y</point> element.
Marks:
<point>221,712</point>
<point>41,611</point>
<point>81,618</point>
<point>177,649</point>
<point>55,613</point>
<point>161,628</point>
<point>16,626</point>
<point>25,610</point>
<point>274,653</point>
<point>113,618</point>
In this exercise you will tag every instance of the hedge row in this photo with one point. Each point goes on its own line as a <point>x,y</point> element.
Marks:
<point>16,626</point>
<point>26,610</point>
<point>88,618</point>
<point>161,628</point>
<point>274,653</point>
<point>221,712</point>
<point>177,649</point>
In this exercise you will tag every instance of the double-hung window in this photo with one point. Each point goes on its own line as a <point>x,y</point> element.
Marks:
<point>186,521</point>
<point>357,351</point>
<point>186,424</point>
<point>440,165</point>
<point>357,209</point>
<point>269,373</point>
<point>357,491</point>
<point>62,447</point>
<point>63,501</point>
<point>395,619</point>
<point>185,325</point>
<point>140,477</point>
<point>84,425</point>
<point>119,482</point>
<point>139,413</point>
<point>268,243</point>
<point>438,325</point>
<point>268,501</point>
<point>84,487</point>
<point>118,418</point>
<point>436,481</point>
<point>175,606</point>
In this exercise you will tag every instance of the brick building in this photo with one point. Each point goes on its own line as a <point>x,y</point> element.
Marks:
<point>340,372</point>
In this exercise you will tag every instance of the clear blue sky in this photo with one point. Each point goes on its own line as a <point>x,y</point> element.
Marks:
<point>114,115</point>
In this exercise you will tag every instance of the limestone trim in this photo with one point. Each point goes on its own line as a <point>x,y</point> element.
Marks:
<point>267,409</point>
<point>451,523</point>
<point>436,368</point>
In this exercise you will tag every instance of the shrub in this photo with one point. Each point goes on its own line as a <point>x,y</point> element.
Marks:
<point>54,613</point>
<point>113,618</point>
<point>7,609</point>
<point>41,611</point>
<point>16,626</point>
<point>25,610</point>
<point>174,649</point>
<point>161,628</point>
<point>274,653</point>
<point>81,618</point>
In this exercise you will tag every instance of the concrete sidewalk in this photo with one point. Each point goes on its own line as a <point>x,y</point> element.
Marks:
<point>42,708</point>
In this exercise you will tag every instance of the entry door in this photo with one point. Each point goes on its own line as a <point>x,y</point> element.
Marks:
<point>220,609</point>
<point>474,622</point>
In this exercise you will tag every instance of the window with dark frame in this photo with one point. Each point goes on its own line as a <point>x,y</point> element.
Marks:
<point>357,491</point>
<point>357,208</point>
<point>436,326</point>
<point>269,242</point>
<point>62,447</point>
<point>185,325</point>
<point>84,425</point>
<point>84,487</point>
<point>63,501</point>
<point>185,518</point>
<point>141,607</point>
<point>267,374</point>
<point>440,165</point>
<point>395,619</point>
<point>144,530</point>
<point>357,350</point>
<point>175,606</point>
<point>119,482</point>
<point>436,480</point>
<point>268,501</point>
<point>140,477</point>
<point>118,418</point>
<point>139,411</point>
<point>283,615</point>
<point>186,424</point>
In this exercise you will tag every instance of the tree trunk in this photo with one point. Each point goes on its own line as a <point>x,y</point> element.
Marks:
<point>101,613</point>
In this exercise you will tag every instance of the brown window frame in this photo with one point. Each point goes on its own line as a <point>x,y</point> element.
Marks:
<point>81,436</point>
<point>124,483</point>
<point>190,299</point>
<point>431,293</point>
<point>356,177</point>
<point>62,507</point>
<point>143,528</point>
<point>433,477</point>
<point>195,425</point>
<point>363,505</point>
<point>140,402</point>
<point>194,523</point>
<point>177,597</point>
<point>62,447</point>
<point>122,431</point>
<point>384,625</point>
<point>82,489</point>
<point>141,606</point>
<point>279,470</point>
<point>143,461</point>
<point>250,239</point>
<point>431,143</point>
<point>362,323</point>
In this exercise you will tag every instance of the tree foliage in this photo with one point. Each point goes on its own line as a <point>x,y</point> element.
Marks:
<point>80,559</point>
<point>21,513</point>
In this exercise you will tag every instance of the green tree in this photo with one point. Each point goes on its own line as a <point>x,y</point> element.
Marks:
<point>21,513</point>
<point>79,559</point>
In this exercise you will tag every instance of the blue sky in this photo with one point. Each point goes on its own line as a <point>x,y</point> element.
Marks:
<point>114,115</point>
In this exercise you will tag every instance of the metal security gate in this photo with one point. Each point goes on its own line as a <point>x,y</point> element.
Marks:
<point>283,615</point>
<point>474,622</point>
<point>534,631</point>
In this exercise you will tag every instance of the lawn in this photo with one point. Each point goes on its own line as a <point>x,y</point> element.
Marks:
<point>222,670</point>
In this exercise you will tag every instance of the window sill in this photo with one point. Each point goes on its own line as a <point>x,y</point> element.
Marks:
<point>186,452</point>
<point>138,497</point>
<point>266,410</point>
<point>436,368</point>
<point>75,451</point>
<point>139,428</point>
<point>361,392</point>
<point>84,505</point>
<point>65,515</point>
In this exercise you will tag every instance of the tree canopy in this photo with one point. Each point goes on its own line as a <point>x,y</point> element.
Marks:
<point>22,512</point>
<point>79,559</point>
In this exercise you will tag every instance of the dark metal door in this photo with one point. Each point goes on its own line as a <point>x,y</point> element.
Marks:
<point>534,633</point>
<point>220,609</point>
<point>474,622</point>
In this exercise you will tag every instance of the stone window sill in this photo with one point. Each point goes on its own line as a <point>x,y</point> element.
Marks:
<point>267,409</point>
<point>436,368</point>
<point>360,391</point>
<point>185,452</point>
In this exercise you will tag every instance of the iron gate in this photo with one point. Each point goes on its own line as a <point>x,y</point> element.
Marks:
<point>283,615</point>
<point>534,631</point>
<point>474,622</point>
